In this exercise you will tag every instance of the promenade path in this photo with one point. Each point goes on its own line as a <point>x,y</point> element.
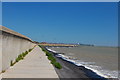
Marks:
<point>34,65</point>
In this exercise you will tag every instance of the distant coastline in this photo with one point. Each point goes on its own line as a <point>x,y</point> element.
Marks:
<point>57,44</point>
<point>70,45</point>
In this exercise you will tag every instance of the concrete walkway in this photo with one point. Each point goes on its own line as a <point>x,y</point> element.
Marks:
<point>34,65</point>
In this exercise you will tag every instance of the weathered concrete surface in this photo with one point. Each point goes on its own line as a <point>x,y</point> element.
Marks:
<point>34,65</point>
<point>0,55</point>
<point>0,36</point>
<point>0,51</point>
<point>4,29</point>
<point>12,45</point>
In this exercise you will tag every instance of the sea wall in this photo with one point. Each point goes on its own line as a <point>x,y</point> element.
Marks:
<point>11,46</point>
<point>0,51</point>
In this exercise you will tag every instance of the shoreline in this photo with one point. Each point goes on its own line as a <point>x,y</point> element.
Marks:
<point>74,71</point>
<point>79,71</point>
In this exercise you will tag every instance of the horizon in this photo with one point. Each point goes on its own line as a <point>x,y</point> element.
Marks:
<point>84,22</point>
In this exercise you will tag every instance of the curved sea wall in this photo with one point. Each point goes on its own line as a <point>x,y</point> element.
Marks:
<point>11,45</point>
<point>0,50</point>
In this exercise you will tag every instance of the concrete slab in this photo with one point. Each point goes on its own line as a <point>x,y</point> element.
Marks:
<point>34,65</point>
<point>29,76</point>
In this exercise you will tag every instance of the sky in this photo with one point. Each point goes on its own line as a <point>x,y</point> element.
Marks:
<point>0,13</point>
<point>60,0</point>
<point>64,22</point>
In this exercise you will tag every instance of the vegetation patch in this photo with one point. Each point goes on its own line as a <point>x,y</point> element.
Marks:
<point>51,58</point>
<point>20,57</point>
<point>12,63</point>
<point>57,65</point>
<point>30,50</point>
<point>3,71</point>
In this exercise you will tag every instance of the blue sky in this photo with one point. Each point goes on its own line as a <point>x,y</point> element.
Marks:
<point>0,13</point>
<point>87,23</point>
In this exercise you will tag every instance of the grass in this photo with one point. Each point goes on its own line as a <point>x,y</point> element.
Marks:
<point>57,65</point>
<point>30,50</point>
<point>20,57</point>
<point>3,71</point>
<point>12,63</point>
<point>51,58</point>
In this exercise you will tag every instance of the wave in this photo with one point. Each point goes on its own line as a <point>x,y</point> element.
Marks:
<point>89,65</point>
<point>51,50</point>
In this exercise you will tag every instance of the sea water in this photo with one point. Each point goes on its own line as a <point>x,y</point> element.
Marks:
<point>101,60</point>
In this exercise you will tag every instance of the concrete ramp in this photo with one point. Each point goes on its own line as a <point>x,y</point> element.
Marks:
<point>34,65</point>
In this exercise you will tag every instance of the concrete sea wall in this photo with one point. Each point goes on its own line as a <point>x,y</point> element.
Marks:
<point>0,51</point>
<point>11,45</point>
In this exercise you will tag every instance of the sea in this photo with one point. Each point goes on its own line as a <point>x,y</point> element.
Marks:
<point>101,60</point>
